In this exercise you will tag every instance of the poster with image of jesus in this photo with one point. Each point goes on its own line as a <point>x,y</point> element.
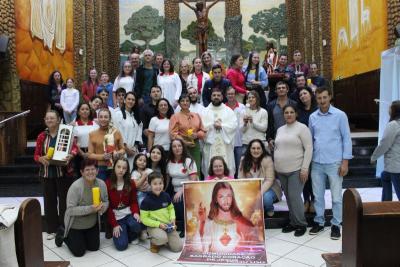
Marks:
<point>224,223</point>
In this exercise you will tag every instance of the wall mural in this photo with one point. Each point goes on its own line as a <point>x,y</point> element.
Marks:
<point>143,22</point>
<point>359,28</point>
<point>44,32</point>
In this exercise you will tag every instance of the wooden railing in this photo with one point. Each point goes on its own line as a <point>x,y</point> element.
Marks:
<point>12,135</point>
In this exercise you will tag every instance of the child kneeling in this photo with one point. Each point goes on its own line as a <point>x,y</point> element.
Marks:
<point>158,214</point>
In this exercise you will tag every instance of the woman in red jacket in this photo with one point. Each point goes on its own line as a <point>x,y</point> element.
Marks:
<point>89,86</point>
<point>236,77</point>
<point>123,211</point>
<point>56,180</point>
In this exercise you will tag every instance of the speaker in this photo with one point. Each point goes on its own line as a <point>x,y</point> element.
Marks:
<point>397,31</point>
<point>3,46</point>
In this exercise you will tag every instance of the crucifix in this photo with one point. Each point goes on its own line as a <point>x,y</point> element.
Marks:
<point>201,10</point>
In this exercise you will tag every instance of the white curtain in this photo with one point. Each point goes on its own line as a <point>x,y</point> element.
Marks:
<point>389,91</point>
<point>48,22</point>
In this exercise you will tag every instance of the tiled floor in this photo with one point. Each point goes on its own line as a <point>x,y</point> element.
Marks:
<point>282,249</point>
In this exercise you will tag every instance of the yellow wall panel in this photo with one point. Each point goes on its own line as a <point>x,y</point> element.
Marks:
<point>35,62</point>
<point>359,35</point>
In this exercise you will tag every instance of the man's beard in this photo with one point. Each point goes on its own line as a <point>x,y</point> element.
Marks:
<point>193,100</point>
<point>223,209</point>
<point>216,103</point>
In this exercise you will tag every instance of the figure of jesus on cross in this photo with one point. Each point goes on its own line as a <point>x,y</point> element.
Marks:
<point>201,11</point>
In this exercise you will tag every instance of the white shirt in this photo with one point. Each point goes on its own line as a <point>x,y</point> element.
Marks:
<point>136,176</point>
<point>179,173</point>
<point>256,129</point>
<point>160,129</point>
<point>131,131</point>
<point>238,136</point>
<point>69,99</point>
<point>82,134</point>
<point>171,87</point>
<point>126,82</point>
<point>192,82</point>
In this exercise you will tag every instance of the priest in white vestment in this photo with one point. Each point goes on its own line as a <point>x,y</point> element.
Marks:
<point>220,123</point>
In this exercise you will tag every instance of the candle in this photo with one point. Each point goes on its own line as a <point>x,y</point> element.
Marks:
<point>50,152</point>
<point>96,195</point>
<point>190,132</point>
<point>309,81</point>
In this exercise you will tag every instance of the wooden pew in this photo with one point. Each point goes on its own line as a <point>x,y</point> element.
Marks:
<point>371,233</point>
<point>28,237</point>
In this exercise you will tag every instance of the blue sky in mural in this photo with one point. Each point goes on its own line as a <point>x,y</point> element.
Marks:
<point>216,15</point>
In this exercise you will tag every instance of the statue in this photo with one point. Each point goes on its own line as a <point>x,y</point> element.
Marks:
<point>201,11</point>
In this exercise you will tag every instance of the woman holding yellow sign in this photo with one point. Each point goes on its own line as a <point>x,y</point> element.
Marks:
<point>87,199</point>
<point>55,179</point>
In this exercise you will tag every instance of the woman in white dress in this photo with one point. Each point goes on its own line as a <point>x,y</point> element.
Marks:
<point>128,122</point>
<point>169,82</point>
<point>124,80</point>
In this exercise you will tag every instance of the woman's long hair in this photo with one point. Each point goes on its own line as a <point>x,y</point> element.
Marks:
<point>185,154</point>
<point>89,80</point>
<point>134,110</point>
<point>248,162</point>
<point>78,117</point>
<point>395,110</point>
<point>162,164</point>
<point>300,104</point>
<point>52,82</point>
<point>127,176</point>
<point>250,65</point>
<point>170,111</point>
<point>214,206</point>
<point>213,159</point>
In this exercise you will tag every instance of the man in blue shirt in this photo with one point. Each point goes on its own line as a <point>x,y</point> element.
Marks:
<point>216,82</point>
<point>330,130</point>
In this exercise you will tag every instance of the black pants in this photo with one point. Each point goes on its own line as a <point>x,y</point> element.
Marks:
<point>55,191</point>
<point>78,241</point>
<point>180,216</point>
<point>307,191</point>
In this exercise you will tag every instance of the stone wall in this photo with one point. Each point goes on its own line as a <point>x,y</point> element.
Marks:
<point>172,30</point>
<point>308,30</point>
<point>10,99</point>
<point>233,28</point>
<point>96,37</point>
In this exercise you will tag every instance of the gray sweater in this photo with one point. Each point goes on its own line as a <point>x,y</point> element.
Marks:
<point>74,199</point>
<point>389,147</point>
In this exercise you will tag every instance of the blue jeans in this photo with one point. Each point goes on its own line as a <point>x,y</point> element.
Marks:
<point>130,231</point>
<point>68,118</point>
<point>269,197</point>
<point>387,179</point>
<point>104,173</point>
<point>319,173</point>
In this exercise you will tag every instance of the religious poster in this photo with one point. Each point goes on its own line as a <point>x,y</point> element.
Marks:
<point>224,223</point>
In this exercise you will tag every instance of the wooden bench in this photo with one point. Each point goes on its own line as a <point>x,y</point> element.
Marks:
<point>371,233</point>
<point>28,237</point>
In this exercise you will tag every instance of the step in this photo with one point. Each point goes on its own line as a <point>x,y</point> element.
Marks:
<point>20,179</point>
<point>361,181</point>
<point>361,160</point>
<point>363,150</point>
<point>18,190</point>
<point>20,169</point>
<point>360,170</point>
<point>365,141</point>
<point>25,159</point>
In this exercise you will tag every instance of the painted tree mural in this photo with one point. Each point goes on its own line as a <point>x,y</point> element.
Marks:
<point>145,25</point>
<point>271,22</point>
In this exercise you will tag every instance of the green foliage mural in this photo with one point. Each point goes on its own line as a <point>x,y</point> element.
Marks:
<point>145,25</point>
<point>271,22</point>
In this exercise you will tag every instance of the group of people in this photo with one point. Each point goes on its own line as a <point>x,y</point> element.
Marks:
<point>141,137</point>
